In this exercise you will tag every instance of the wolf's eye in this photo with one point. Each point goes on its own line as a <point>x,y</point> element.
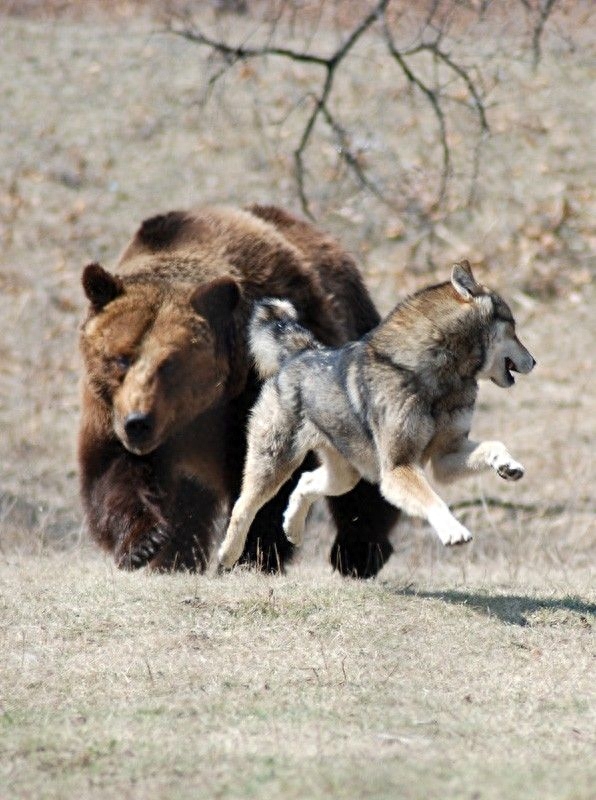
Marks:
<point>122,363</point>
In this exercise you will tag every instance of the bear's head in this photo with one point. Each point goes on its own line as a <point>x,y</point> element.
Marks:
<point>157,353</point>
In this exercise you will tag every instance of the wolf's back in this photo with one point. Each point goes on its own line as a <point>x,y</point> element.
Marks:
<point>276,335</point>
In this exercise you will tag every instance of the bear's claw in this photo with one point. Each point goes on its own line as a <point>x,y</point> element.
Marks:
<point>139,554</point>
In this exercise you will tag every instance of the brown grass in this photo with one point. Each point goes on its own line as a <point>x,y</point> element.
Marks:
<point>466,674</point>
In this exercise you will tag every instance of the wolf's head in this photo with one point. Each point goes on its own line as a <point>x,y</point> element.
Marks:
<point>504,353</point>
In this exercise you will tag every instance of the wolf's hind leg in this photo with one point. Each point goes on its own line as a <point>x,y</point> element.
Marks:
<point>274,453</point>
<point>259,486</point>
<point>334,477</point>
<point>407,488</point>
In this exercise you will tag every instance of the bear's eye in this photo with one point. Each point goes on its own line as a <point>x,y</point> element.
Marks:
<point>167,367</point>
<point>122,363</point>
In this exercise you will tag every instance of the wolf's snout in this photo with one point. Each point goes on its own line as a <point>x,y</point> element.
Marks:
<point>520,358</point>
<point>525,364</point>
<point>138,428</point>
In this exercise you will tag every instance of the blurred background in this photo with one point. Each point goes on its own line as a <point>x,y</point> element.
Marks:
<point>416,133</point>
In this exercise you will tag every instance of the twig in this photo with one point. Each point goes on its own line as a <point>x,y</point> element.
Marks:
<point>459,70</point>
<point>331,66</point>
<point>435,105</point>
<point>544,9</point>
<point>351,159</point>
<point>495,502</point>
<point>434,48</point>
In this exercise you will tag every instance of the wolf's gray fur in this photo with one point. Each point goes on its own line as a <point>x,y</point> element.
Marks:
<point>380,408</point>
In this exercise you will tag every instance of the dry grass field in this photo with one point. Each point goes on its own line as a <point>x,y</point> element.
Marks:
<point>466,674</point>
<point>302,686</point>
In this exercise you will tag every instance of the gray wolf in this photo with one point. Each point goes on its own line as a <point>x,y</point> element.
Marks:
<point>380,408</point>
<point>168,384</point>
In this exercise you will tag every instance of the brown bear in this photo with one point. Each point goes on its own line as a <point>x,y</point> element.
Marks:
<point>168,385</point>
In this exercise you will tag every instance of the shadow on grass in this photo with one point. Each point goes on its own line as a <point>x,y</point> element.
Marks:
<point>511,609</point>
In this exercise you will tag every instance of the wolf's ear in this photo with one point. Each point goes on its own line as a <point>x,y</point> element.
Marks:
<point>101,287</point>
<point>463,281</point>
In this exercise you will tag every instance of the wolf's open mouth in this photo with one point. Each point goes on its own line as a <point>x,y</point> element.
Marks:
<point>509,368</point>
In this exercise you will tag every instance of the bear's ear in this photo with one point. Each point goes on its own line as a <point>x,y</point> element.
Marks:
<point>216,301</point>
<point>101,287</point>
<point>463,281</point>
<point>160,232</point>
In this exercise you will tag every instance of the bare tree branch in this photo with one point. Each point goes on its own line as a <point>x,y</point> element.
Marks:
<point>351,158</point>
<point>541,10</point>
<point>435,105</point>
<point>330,64</point>
<point>439,54</point>
<point>544,10</point>
<point>459,70</point>
<point>435,21</point>
<point>233,53</point>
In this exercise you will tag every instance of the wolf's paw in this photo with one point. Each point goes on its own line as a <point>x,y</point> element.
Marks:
<point>503,463</point>
<point>294,523</point>
<point>138,554</point>
<point>454,534</point>
<point>229,552</point>
<point>459,538</point>
<point>448,529</point>
<point>510,470</point>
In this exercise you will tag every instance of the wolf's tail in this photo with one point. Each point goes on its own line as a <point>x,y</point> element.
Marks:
<point>275,335</point>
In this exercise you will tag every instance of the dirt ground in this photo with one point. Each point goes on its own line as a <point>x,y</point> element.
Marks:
<point>106,119</point>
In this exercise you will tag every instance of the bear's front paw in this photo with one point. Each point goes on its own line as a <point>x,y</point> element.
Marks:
<point>134,555</point>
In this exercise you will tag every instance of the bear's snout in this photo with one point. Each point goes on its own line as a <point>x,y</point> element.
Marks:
<point>139,428</point>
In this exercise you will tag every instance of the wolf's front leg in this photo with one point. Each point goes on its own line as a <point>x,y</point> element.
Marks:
<point>407,488</point>
<point>473,457</point>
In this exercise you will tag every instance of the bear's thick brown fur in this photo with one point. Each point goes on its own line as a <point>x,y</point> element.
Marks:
<point>168,384</point>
